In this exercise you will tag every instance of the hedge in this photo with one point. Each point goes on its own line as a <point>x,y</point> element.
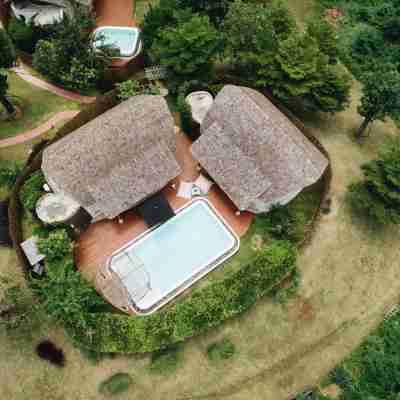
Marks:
<point>206,308</point>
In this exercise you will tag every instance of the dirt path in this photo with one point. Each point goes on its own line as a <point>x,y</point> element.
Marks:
<point>24,74</point>
<point>33,133</point>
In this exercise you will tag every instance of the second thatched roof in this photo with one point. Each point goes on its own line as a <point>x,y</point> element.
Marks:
<point>256,155</point>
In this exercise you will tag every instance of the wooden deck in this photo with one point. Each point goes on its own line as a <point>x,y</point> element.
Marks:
<point>104,237</point>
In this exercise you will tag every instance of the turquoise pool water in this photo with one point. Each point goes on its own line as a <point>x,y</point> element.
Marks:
<point>174,255</point>
<point>126,40</point>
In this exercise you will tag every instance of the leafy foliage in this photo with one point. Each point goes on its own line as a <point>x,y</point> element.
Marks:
<point>68,56</point>
<point>187,50</point>
<point>7,51</point>
<point>268,50</point>
<point>65,295</point>
<point>215,9</point>
<point>56,246</point>
<point>373,370</point>
<point>9,170</point>
<point>130,88</point>
<point>32,190</point>
<point>221,350</point>
<point>116,384</point>
<point>165,361</point>
<point>26,35</point>
<point>380,99</point>
<point>206,308</point>
<point>378,195</point>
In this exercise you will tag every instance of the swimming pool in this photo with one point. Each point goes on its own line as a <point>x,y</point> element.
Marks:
<point>126,40</point>
<point>162,262</point>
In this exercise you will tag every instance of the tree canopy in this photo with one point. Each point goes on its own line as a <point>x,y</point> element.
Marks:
<point>380,99</point>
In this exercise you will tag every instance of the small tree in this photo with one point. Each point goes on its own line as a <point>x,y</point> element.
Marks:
<point>56,246</point>
<point>187,50</point>
<point>325,35</point>
<point>381,88</point>
<point>69,57</point>
<point>9,171</point>
<point>7,60</point>
<point>378,195</point>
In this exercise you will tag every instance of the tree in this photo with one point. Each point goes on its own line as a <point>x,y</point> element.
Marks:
<point>268,50</point>
<point>380,99</point>
<point>378,195</point>
<point>187,50</point>
<point>9,170</point>
<point>7,60</point>
<point>215,9</point>
<point>56,246</point>
<point>69,57</point>
<point>325,35</point>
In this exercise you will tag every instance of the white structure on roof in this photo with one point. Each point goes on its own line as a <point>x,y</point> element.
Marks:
<point>31,251</point>
<point>200,102</point>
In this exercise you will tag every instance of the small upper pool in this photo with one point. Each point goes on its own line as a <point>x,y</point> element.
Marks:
<point>124,39</point>
<point>162,262</point>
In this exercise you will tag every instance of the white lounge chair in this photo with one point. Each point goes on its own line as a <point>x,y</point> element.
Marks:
<point>185,190</point>
<point>203,184</point>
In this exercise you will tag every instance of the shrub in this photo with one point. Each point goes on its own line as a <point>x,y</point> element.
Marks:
<point>69,57</point>
<point>32,190</point>
<point>65,295</point>
<point>27,35</point>
<point>284,222</point>
<point>165,361</point>
<point>56,246</point>
<point>391,28</point>
<point>221,350</point>
<point>206,308</point>
<point>130,88</point>
<point>9,170</point>
<point>378,195</point>
<point>7,52</point>
<point>368,43</point>
<point>116,384</point>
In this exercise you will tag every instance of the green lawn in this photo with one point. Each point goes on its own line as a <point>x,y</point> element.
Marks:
<point>37,106</point>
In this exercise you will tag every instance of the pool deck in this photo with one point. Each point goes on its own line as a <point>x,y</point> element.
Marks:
<point>103,238</point>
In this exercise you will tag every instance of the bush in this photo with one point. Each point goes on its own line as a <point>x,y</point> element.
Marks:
<point>132,88</point>
<point>32,190</point>
<point>284,222</point>
<point>391,28</point>
<point>26,35</point>
<point>7,52</point>
<point>9,170</point>
<point>56,246</point>
<point>165,361</point>
<point>187,50</point>
<point>378,196</point>
<point>116,384</point>
<point>221,350</point>
<point>69,57</point>
<point>206,308</point>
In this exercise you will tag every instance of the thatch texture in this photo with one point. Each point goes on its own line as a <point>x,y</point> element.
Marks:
<point>116,160</point>
<point>254,152</point>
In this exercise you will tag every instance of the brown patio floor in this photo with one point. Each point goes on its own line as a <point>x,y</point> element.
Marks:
<point>104,237</point>
<point>115,13</point>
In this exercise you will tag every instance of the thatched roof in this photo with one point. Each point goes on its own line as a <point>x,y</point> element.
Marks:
<point>116,160</point>
<point>254,152</point>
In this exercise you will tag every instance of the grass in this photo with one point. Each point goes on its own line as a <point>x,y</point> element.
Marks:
<point>37,106</point>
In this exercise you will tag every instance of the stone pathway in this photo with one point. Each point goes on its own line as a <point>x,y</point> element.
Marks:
<point>24,74</point>
<point>33,133</point>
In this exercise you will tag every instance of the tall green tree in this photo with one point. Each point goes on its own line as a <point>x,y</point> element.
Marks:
<point>69,57</point>
<point>380,99</point>
<point>326,36</point>
<point>188,50</point>
<point>378,195</point>
<point>268,50</point>
<point>7,60</point>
